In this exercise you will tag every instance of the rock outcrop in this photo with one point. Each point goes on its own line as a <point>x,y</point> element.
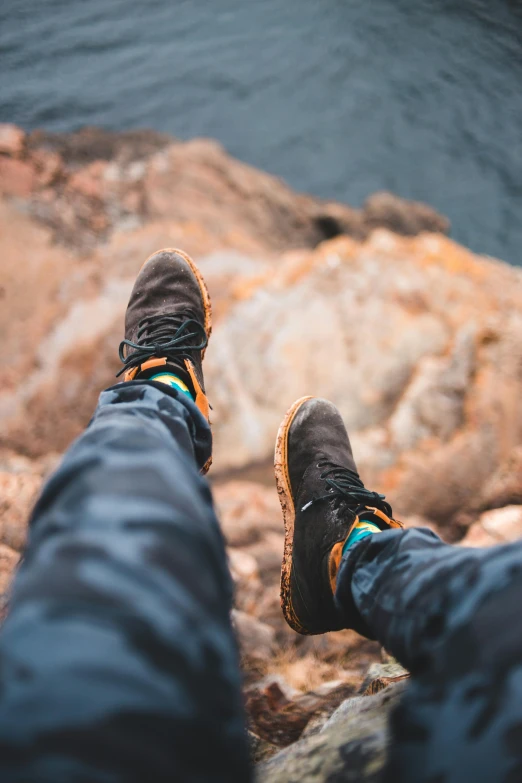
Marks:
<point>417,340</point>
<point>86,185</point>
<point>350,746</point>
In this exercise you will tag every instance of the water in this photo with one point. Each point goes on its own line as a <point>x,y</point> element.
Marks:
<point>339,97</point>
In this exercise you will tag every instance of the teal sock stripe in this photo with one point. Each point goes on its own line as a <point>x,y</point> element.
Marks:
<point>358,534</point>
<point>174,382</point>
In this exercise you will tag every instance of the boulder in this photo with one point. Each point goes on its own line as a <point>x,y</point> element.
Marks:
<point>350,747</point>
<point>499,526</point>
<point>426,390</point>
<point>280,717</point>
<point>87,184</point>
<point>386,210</point>
<point>416,339</point>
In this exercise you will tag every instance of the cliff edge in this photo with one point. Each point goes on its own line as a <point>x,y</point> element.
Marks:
<point>416,339</point>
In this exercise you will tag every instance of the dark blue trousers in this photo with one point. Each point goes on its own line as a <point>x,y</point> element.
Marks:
<point>453,617</point>
<point>117,658</point>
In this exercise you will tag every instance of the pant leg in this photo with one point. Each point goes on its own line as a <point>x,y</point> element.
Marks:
<point>453,617</point>
<point>117,658</point>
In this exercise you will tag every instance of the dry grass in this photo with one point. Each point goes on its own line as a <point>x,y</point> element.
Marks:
<point>309,672</point>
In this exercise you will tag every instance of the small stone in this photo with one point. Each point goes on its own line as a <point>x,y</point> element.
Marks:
<point>499,526</point>
<point>49,166</point>
<point>17,178</point>
<point>478,537</point>
<point>243,566</point>
<point>380,675</point>
<point>132,201</point>
<point>247,584</point>
<point>89,181</point>
<point>12,139</point>
<point>256,639</point>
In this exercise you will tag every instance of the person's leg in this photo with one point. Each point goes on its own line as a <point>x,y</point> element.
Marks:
<point>117,658</point>
<point>449,614</point>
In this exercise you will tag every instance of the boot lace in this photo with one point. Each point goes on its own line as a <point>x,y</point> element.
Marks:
<point>346,487</point>
<point>169,334</point>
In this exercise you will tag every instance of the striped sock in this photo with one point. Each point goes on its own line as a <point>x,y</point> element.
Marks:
<point>362,529</point>
<point>173,381</point>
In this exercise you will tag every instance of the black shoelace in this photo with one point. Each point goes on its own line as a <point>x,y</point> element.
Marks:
<point>346,486</point>
<point>170,334</point>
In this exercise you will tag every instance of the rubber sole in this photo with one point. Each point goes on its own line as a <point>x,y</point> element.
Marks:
<point>287,505</point>
<point>205,296</point>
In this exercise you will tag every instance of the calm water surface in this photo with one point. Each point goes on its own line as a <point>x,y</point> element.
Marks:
<point>339,97</point>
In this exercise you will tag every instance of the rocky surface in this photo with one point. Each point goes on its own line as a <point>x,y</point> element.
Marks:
<point>84,186</point>
<point>499,526</point>
<point>417,340</point>
<point>351,746</point>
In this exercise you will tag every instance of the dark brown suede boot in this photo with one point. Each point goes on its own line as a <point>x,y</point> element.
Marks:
<point>168,323</point>
<point>321,496</point>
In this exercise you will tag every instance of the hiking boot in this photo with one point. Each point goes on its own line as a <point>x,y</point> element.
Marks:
<point>168,323</point>
<point>321,496</point>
